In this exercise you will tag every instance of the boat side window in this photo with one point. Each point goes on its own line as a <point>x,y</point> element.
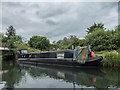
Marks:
<point>26,55</point>
<point>30,56</point>
<point>68,55</point>
<point>38,56</point>
<point>22,56</point>
<point>44,55</point>
<point>34,56</point>
<point>52,55</point>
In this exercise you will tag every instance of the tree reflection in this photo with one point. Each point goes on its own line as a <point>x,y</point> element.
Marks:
<point>12,75</point>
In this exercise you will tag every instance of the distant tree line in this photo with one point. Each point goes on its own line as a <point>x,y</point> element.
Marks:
<point>97,36</point>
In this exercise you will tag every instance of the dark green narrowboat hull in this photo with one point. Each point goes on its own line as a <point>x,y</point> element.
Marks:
<point>67,62</point>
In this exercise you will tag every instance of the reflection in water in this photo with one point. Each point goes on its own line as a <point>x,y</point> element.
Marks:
<point>30,76</point>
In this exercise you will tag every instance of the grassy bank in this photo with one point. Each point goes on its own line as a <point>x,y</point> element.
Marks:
<point>112,58</point>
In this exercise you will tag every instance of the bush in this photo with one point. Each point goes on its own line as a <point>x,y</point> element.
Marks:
<point>24,46</point>
<point>101,40</point>
<point>112,59</point>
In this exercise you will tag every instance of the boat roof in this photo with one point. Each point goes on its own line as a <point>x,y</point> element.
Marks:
<point>59,51</point>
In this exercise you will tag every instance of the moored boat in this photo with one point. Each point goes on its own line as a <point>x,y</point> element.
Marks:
<point>79,57</point>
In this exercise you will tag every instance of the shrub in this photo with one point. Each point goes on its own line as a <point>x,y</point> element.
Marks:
<point>30,49</point>
<point>112,59</point>
<point>101,40</point>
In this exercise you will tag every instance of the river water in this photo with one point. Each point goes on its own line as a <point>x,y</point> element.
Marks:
<point>32,76</point>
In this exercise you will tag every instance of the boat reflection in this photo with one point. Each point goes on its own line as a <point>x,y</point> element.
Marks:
<point>93,77</point>
<point>14,76</point>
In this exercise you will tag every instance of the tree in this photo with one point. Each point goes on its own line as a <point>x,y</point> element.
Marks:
<point>103,40</point>
<point>12,39</point>
<point>82,42</point>
<point>118,28</point>
<point>10,31</point>
<point>1,36</point>
<point>95,27</point>
<point>39,42</point>
<point>67,42</point>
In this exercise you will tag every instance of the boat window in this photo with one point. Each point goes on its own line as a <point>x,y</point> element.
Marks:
<point>68,55</point>
<point>44,55</point>
<point>24,51</point>
<point>30,56</point>
<point>26,55</point>
<point>52,55</point>
<point>34,56</point>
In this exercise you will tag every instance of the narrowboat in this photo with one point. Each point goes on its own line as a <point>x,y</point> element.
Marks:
<point>79,57</point>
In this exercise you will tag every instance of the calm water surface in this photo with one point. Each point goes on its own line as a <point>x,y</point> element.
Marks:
<point>31,76</point>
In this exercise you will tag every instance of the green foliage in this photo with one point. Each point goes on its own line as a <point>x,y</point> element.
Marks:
<point>112,59</point>
<point>39,42</point>
<point>12,39</point>
<point>82,42</point>
<point>1,35</point>
<point>26,46</point>
<point>95,27</point>
<point>101,40</point>
<point>118,28</point>
<point>67,42</point>
<point>10,31</point>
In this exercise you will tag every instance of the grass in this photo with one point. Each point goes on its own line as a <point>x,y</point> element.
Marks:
<point>100,53</point>
<point>112,58</point>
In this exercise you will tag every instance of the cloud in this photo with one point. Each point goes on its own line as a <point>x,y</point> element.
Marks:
<point>57,20</point>
<point>51,22</point>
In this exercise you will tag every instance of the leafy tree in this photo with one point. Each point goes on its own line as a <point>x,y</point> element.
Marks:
<point>11,31</point>
<point>95,27</point>
<point>39,42</point>
<point>67,42</point>
<point>12,39</point>
<point>118,27</point>
<point>1,36</point>
<point>103,40</point>
<point>82,42</point>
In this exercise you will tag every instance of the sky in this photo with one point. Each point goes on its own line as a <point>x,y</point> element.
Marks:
<point>55,20</point>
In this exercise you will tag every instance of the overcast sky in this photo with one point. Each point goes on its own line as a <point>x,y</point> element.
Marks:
<point>56,20</point>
